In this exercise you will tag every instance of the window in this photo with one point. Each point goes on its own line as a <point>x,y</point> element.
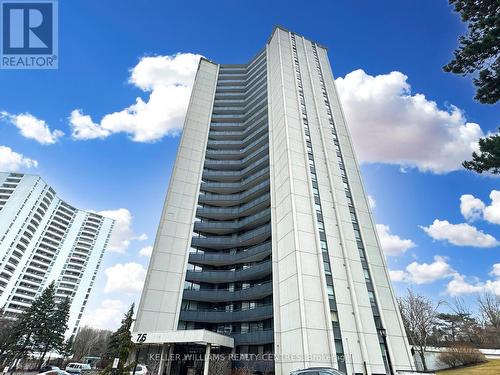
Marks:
<point>357,234</point>
<point>371,295</point>
<point>329,290</point>
<point>335,316</point>
<point>328,271</point>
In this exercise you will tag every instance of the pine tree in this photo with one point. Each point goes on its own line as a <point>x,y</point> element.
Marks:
<point>66,349</point>
<point>23,341</point>
<point>6,329</point>
<point>479,50</point>
<point>488,160</point>
<point>119,346</point>
<point>43,330</point>
<point>50,335</point>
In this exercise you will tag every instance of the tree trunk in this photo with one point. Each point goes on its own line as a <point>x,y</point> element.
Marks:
<point>40,361</point>
<point>422,358</point>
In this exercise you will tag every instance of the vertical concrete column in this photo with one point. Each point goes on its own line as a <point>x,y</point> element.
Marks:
<point>162,359</point>
<point>207,359</point>
<point>168,364</point>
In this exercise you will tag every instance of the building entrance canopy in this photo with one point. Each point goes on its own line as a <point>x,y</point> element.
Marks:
<point>193,336</point>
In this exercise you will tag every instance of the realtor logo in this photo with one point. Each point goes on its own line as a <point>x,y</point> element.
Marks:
<point>29,34</point>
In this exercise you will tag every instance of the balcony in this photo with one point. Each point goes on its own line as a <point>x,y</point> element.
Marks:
<point>224,135</point>
<point>220,295</point>
<point>252,254</point>
<point>228,213</point>
<point>251,117</point>
<point>227,227</point>
<point>254,338</point>
<point>256,272</point>
<point>214,316</point>
<point>250,102</point>
<point>248,134</point>
<point>233,176</point>
<point>242,146</point>
<point>233,187</point>
<point>252,237</point>
<point>237,164</point>
<point>224,200</point>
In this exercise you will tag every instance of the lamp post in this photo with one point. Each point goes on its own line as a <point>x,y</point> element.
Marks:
<point>350,355</point>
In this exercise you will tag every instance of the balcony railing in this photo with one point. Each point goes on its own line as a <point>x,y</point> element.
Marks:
<point>214,316</point>
<point>256,272</point>
<point>252,254</point>
<point>249,238</point>
<point>218,295</point>
<point>254,338</point>
<point>230,226</point>
<point>232,187</point>
<point>226,213</point>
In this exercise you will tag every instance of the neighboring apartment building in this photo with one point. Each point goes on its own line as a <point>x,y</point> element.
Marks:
<point>266,243</point>
<point>44,239</point>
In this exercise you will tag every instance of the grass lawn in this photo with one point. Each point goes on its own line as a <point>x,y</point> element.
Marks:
<point>492,367</point>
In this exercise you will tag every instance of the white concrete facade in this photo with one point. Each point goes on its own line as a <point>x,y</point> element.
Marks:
<point>332,301</point>
<point>42,240</point>
<point>161,297</point>
<point>301,313</point>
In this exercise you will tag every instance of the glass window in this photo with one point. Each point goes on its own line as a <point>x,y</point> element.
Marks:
<point>327,268</point>
<point>329,290</point>
<point>338,346</point>
<point>366,273</point>
<point>357,234</point>
<point>372,297</point>
<point>335,316</point>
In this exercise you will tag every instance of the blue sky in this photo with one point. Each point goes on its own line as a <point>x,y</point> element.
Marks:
<point>101,41</point>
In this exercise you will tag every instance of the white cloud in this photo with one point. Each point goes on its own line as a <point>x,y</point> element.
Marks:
<point>122,234</point>
<point>392,244</point>
<point>146,251</point>
<point>397,275</point>
<point>460,286</point>
<point>84,128</point>
<point>495,270</point>
<point>32,127</point>
<point>462,234</point>
<point>424,273</point>
<point>391,125</point>
<point>470,207</point>
<point>372,202</point>
<point>107,316</point>
<point>473,208</point>
<point>127,278</point>
<point>168,80</point>
<point>491,213</point>
<point>11,161</point>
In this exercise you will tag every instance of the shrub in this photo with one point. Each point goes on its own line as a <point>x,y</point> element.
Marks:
<point>461,355</point>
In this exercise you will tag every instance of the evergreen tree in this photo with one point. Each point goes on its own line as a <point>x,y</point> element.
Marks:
<point>50,335</point>
<point>42,316</point>
<point>479,50</point>
<point>119,346</point>
<point>489,158</point>
<point>66,349</point>
<point>22,340</point>
<point>6,329</point>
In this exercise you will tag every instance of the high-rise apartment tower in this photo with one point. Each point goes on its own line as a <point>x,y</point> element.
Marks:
<point>42,240</point>
<point>266,243</point>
